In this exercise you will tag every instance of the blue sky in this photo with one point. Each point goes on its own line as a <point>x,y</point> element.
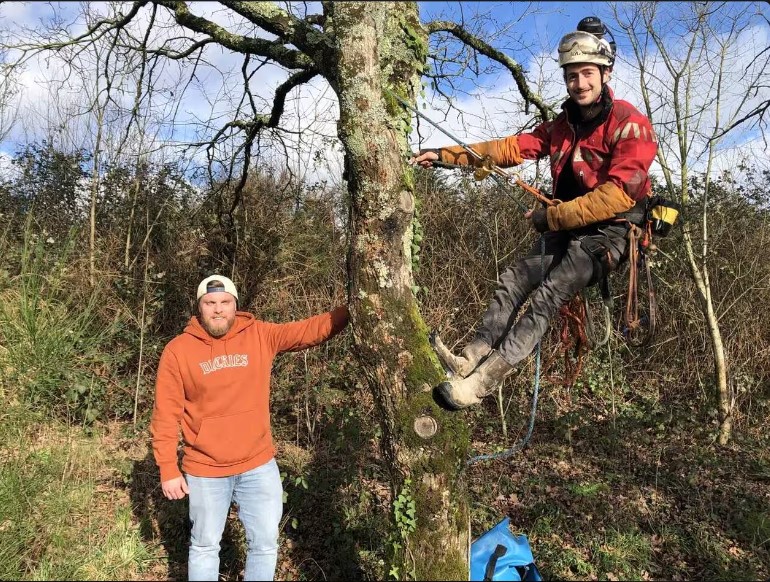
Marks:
<point>539,25</point>
<point>533,32</point>
<point>483,108</point>
<point>547,20</point>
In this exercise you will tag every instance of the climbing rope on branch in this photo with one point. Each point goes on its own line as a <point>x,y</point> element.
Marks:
<point>487,166</point>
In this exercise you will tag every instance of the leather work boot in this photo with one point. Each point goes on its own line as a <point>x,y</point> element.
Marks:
<point>462,365</point>
<point>461,393</point>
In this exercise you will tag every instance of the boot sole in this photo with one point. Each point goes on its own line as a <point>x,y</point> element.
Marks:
<point>442,397</point>
<point>435,342</point>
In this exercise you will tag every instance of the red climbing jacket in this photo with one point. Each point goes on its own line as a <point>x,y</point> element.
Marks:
<point>610,162</point>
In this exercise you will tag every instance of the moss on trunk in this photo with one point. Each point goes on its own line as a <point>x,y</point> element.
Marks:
<point>381,50</point>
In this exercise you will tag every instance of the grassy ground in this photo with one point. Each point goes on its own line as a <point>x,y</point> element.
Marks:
<point>641,493</point>
<point>634,491</point>
<point>62,517</point>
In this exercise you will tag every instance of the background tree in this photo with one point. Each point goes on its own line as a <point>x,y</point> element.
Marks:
<point>50,183</point>
<point>8,90</point>
<point>709,87</point>
<point>757,114</point>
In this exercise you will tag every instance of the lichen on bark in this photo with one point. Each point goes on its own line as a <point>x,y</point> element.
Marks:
<point>382,52</point>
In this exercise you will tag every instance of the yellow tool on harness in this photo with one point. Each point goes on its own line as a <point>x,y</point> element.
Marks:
<point>663,214</point>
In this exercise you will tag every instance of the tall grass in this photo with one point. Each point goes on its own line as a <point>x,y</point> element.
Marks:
<point>57,520</point>
<point>55,348</point>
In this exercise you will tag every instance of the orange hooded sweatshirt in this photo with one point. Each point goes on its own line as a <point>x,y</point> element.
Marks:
<point>219,390</point>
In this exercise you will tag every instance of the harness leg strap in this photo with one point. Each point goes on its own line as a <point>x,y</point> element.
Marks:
<point>601,257</point>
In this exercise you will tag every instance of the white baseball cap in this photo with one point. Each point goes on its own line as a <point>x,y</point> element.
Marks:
<point>208,285</point>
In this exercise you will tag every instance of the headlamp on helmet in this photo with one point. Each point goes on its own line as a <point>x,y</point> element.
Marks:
<point>595,26</point>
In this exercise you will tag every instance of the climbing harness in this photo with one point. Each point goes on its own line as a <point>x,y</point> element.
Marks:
<point>656,218</point>
<point>660,216</point>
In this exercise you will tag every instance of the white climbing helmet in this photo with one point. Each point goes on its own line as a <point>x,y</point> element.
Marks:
<point>584,47</point>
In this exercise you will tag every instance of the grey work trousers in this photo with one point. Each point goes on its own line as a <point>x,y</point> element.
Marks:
<point>565,269</point>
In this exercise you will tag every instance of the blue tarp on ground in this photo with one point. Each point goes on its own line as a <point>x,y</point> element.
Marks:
<point>514,559</point>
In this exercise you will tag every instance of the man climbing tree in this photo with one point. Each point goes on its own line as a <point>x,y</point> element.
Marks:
<point>600,150</point>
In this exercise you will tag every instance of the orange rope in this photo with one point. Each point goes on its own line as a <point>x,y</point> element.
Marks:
<point>573,343</point>
<point>489,167</point>
<point>636,238</point>
<point>639,240</point>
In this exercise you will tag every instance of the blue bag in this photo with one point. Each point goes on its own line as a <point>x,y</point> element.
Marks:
<point>500,555</point>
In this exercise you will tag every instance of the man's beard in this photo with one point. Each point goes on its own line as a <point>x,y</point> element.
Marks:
<point>219,327</point>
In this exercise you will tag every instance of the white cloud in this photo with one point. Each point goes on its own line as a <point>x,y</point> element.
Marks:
<point>23,14</point>
<point>311,111</point>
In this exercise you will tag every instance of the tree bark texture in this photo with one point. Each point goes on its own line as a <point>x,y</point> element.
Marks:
<point>380,50</point>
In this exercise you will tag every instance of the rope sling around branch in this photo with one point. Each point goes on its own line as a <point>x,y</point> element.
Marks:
<point>489,168</point>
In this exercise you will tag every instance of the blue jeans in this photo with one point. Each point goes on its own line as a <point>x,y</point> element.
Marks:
<point>259,495</point>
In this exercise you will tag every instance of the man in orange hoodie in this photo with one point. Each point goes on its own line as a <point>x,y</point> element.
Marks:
<point>214,381</point>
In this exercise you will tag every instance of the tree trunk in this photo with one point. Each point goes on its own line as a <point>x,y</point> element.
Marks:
<point>724,401</point>
<point>381,47</point>
<point>95,182</point>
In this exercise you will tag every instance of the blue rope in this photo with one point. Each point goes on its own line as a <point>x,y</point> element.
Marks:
<point>535,391</point>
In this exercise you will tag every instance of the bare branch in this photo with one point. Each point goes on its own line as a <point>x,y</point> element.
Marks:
<point>93,33</point>
<point>8,90</point>
<point>757,117</point>
<point>176,56</point>
<point>274,50</point>
<point>546,111</point>
<point>252,129</point>
<point>282,91</point>
<point>142,68</point>
<point>271,18</point>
